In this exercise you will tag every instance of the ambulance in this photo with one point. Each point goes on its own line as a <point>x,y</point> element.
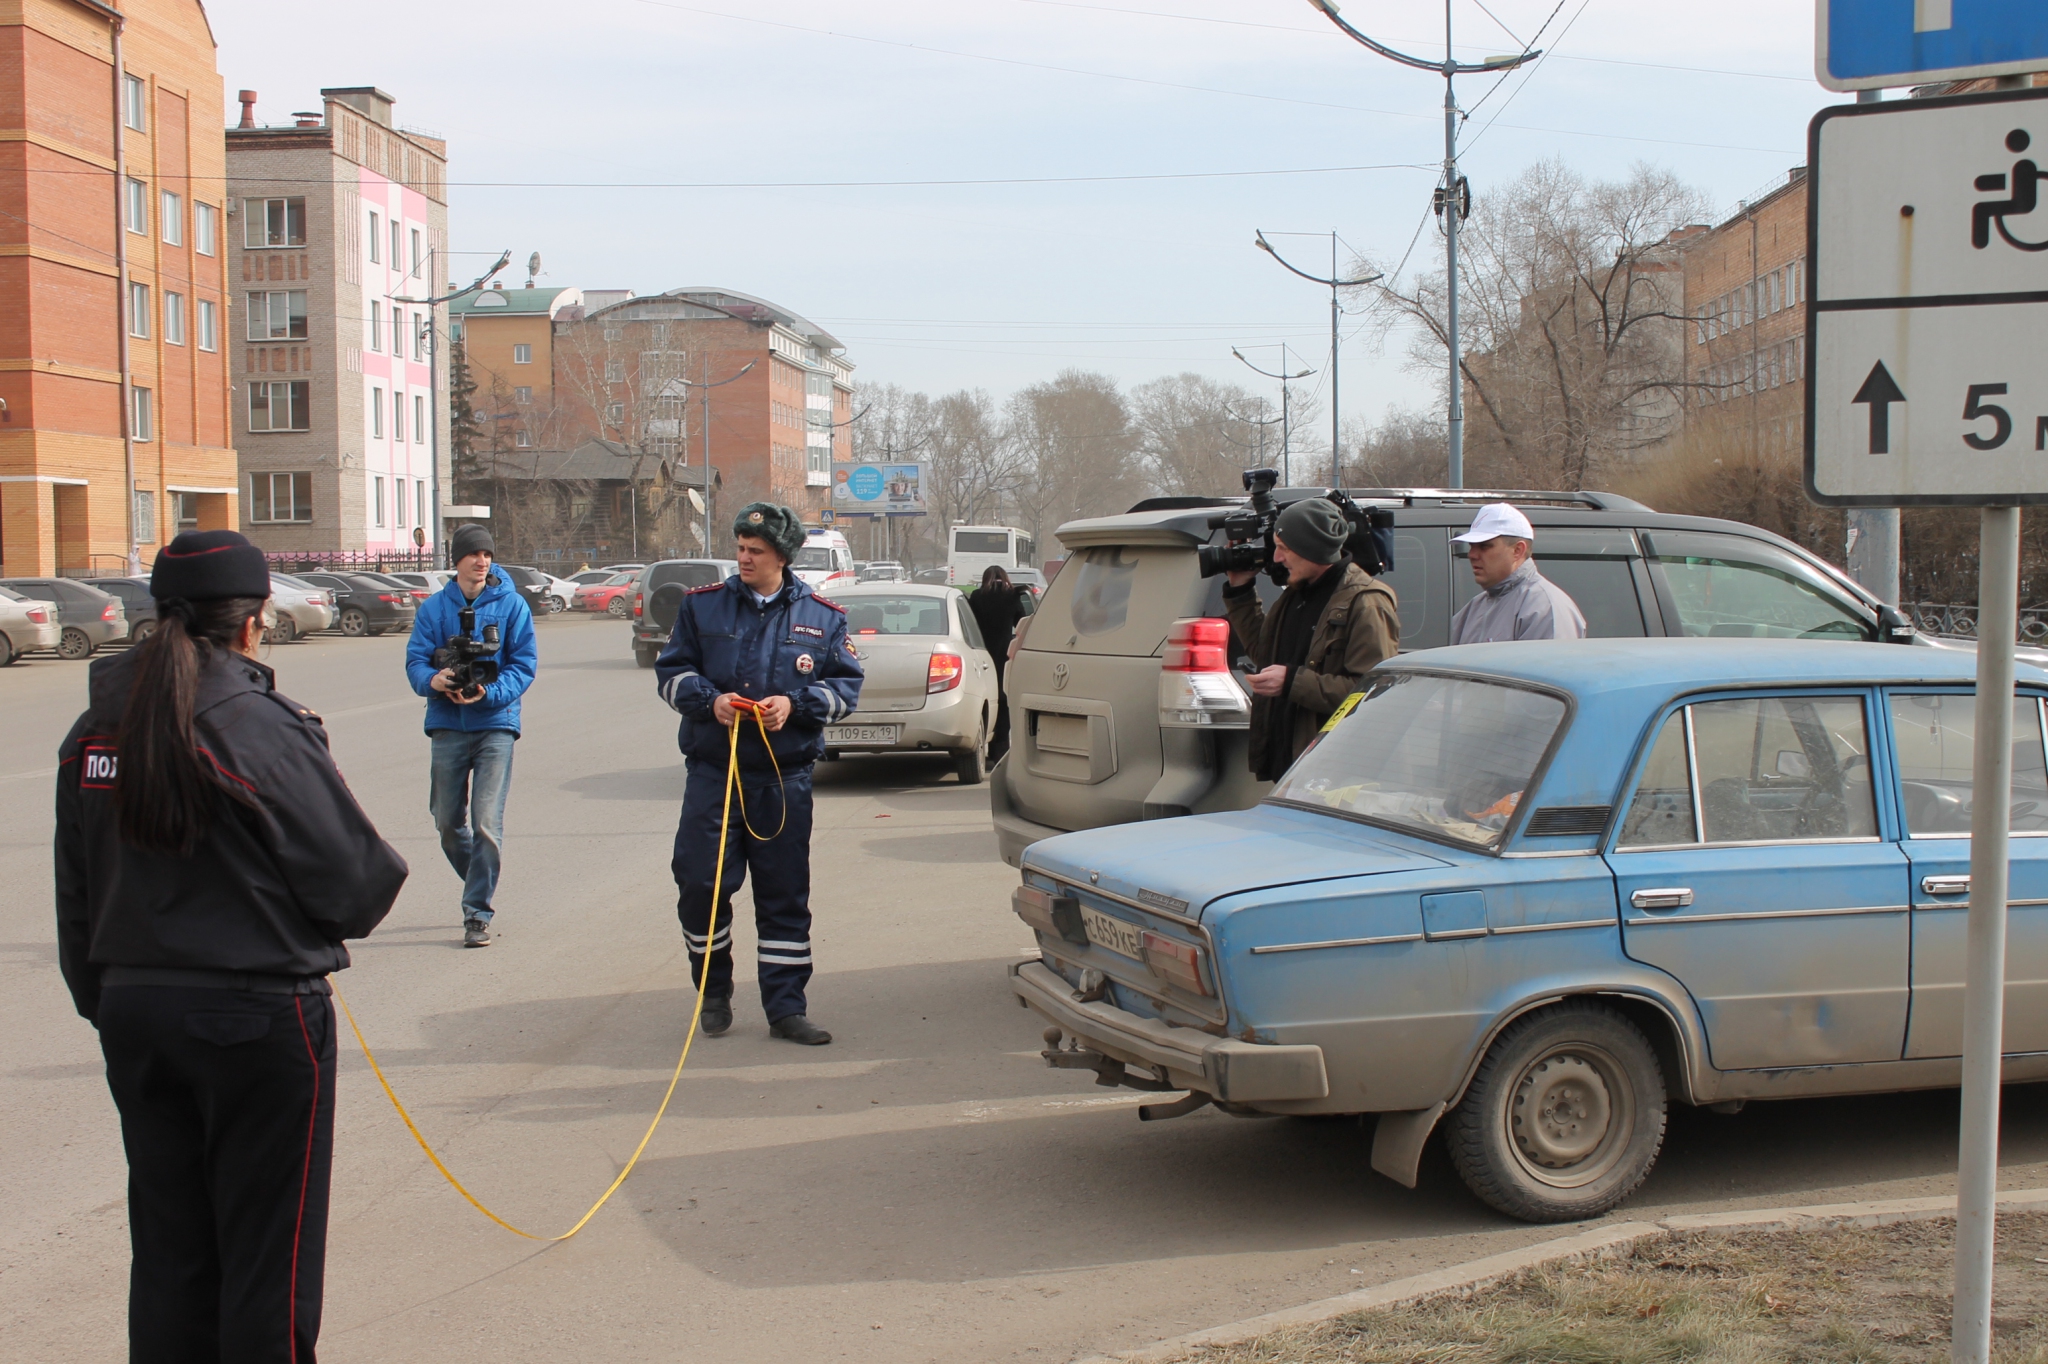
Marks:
<point>825,562</point>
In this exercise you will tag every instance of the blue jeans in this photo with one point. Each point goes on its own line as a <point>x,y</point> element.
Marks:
<point>472,773</point>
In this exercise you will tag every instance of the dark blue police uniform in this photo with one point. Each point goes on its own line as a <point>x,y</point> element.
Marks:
<point>727,640</point>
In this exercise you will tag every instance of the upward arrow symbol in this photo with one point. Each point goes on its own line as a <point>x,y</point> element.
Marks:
<point>1880,390</point>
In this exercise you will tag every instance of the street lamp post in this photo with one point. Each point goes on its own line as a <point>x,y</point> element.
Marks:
<point>1262,423</point>
<point>1286,418</point>
<point>1334,283</point>
<point>434,370</point>
<point>707,385</point>
<point>1453,196</point>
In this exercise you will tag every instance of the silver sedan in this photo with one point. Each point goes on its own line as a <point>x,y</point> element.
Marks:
<point>26,626</point>
<point>931,685</point>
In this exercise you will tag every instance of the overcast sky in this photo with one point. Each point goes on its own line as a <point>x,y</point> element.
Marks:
<point>944,285</point>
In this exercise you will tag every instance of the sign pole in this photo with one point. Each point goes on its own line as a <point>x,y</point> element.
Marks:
<point>1984,998</point>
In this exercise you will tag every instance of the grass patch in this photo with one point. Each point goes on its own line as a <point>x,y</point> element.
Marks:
<point>1845,1295</point>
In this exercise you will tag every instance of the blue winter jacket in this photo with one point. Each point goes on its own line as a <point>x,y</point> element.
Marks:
<point>439,617</point>
<point>795,646</point>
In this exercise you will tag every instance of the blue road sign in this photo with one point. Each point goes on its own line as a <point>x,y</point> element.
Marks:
<point>1868,44</point>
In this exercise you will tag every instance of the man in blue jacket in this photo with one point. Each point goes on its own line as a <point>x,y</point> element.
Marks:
<point>761,636</point>
<point>473,730</point>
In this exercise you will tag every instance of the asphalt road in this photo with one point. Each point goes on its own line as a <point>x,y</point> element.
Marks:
<point>923,1189</point>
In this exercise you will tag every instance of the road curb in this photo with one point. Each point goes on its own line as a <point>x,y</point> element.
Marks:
<point>1591,1244</point>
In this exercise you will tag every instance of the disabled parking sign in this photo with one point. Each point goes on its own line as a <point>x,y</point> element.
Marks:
<point>1927,249</point>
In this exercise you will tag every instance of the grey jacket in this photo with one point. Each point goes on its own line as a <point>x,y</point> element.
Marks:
<point>1523,605</point>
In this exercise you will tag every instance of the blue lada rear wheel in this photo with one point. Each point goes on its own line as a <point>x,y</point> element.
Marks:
<point>1565,1116</point>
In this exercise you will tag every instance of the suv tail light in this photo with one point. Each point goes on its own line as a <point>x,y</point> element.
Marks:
<point>1179,964</point>
<point>1196,689</point>
<point>111,611</point>
<point>944,673</point>
<point>637,597</point>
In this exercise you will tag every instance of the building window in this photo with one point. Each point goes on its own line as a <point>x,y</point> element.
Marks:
<point>277,315</point>
<point>615,371</point>
<point>145,516</point>
<point>173,210</point>
<point>376,325</point>
<point>420,323</point>
<point>138,310</point>
<point>134,103</point>
<point>398,502</point>
<point>614,333</point>
<point>377,412</point>
<point>280,497</point>
<point>522,355</point>
<point>522,395</point>
<point>138,207</point>
<point>615,413</point>
<point>521,439</point>
<point>398,417</point>
<point>209,325</point>
<point>377,499</point>
<point>376,235</point>
<point>185,507</point>
<point>174,318</point>
<point>397,332</point>
<point>419,503</point>
<point>273,222</point>
<point>397,245</point>
<point>419,418</point>
<point>143,426</point>
<point>280,407</point>
<point>205,228</point>
<point>415,252</point>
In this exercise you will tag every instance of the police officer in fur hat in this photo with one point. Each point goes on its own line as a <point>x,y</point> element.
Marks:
<point>761,636</point>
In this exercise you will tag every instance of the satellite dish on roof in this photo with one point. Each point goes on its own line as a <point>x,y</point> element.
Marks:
<point>696,498</point>
<point>532,269</point>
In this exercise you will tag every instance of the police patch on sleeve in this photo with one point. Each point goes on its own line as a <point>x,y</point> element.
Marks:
<point>804,663</point>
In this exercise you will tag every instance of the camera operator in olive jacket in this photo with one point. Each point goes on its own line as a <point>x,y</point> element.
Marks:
<point>1313,647</point>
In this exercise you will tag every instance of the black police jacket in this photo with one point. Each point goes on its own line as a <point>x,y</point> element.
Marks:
<point>794,645</point>
<point>273,889</point>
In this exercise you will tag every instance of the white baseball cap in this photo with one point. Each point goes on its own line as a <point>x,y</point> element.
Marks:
<point>1494,520</point>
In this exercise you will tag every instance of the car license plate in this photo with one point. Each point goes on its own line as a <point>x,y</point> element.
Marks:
<point>861,734</point>
<point>1115,934</point>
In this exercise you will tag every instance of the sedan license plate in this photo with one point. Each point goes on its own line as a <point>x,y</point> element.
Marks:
<point>861,734</point>
<point>1114,934</point>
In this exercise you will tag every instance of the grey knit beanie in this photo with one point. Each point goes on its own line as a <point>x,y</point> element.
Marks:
<point>1314,529</point>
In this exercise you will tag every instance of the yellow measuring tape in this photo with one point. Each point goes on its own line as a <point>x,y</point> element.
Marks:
<point>732,784</point>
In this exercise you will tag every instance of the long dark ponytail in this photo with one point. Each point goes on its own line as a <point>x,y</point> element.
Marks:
<point>165,791</point>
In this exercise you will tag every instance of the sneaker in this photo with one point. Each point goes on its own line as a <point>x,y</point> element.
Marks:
<point>797,1028</point>
<point>717,1016</point>
<point>475,933</point>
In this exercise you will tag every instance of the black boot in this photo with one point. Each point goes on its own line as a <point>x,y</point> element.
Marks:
<point>717,1016</point>
<point>797,1028</point>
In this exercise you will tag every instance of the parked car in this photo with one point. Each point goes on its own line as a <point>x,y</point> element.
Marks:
<point>613,595</point>
<point>534,585</point>
<point>26,626</point>
<point>432,580</point>
<point>881,571</point>
<point>86,616</point>
<point>561,589</point>
<point>588,576</point>
<point>623,568</point>
<point>1031,578</point>
<point>137,606</point>
<point>1533,892</point>
<point>931,575</point>
<point>364,604</point>
<point>931,685</point>
<point>655,594</point>
<point>301,608</point>
<point>1101,733</point>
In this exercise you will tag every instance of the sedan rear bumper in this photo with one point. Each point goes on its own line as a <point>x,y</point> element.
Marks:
<point>1221,1067</point>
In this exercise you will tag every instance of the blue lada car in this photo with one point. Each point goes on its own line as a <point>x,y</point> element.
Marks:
<point>1532,893</point>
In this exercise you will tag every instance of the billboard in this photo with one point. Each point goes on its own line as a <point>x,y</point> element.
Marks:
<point>879,489</point>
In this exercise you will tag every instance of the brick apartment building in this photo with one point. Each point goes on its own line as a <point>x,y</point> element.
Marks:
<point>338,222</point>
<point>642,372</point>
<point>1745,291</point>
<point>115,431</point>
<point>508,339</point>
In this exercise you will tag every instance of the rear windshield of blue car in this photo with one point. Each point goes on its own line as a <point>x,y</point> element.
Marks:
<point>1447,757</point>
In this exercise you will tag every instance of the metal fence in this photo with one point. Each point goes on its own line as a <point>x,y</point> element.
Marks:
<point>354,561</point>
<point>1960,622</point>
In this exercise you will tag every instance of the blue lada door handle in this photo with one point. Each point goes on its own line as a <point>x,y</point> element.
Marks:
<point>1662,897</point>
<point>1945,885</point>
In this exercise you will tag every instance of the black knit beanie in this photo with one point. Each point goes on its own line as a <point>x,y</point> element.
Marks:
<point>203,564</point>
<point>471,539</point>
<point>779,526</point>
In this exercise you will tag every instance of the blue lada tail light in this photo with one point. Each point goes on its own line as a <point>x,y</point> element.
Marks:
<point>1181,965</point>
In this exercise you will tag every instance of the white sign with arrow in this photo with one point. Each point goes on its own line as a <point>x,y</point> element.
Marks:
<point>1927,248</point>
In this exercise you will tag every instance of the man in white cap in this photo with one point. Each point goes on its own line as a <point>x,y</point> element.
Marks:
<point>1514,601</point>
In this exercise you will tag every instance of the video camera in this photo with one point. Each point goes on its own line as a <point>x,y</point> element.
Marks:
<point>468,657</point>
<point>1248,533</point>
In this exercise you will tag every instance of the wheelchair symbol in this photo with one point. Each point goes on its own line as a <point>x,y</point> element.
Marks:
<point>2023,191</point>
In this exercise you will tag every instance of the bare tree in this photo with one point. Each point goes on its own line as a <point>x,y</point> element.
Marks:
<point>1079,451</point>
<point>1572,302</point>
<point>1404,450</point>
<point>1196,435</point>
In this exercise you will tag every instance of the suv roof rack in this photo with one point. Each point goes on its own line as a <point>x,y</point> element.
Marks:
<point>1598,501</point>
<point>1181,503</point>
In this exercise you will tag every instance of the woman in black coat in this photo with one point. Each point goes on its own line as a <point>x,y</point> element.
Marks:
<point>210,863</point>
<point>998,604</point>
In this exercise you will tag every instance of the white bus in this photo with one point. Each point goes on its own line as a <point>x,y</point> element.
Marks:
<point>974,548</point>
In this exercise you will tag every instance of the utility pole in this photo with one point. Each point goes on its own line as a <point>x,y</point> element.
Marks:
<point>434,369</point>
<point>1334,283</point>
<point>706,385</point>
<point>1286,416</point>
<point>1262,423</point>
<point>1453,195</point>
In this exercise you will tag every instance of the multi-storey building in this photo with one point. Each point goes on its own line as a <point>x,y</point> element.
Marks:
<point>660,373</point>
<point>1745,293</point>
<point>508,337</point>
<point>114,392</point>
<point>337,237</point>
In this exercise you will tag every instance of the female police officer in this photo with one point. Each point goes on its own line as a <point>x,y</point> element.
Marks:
<point>209,863</point>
